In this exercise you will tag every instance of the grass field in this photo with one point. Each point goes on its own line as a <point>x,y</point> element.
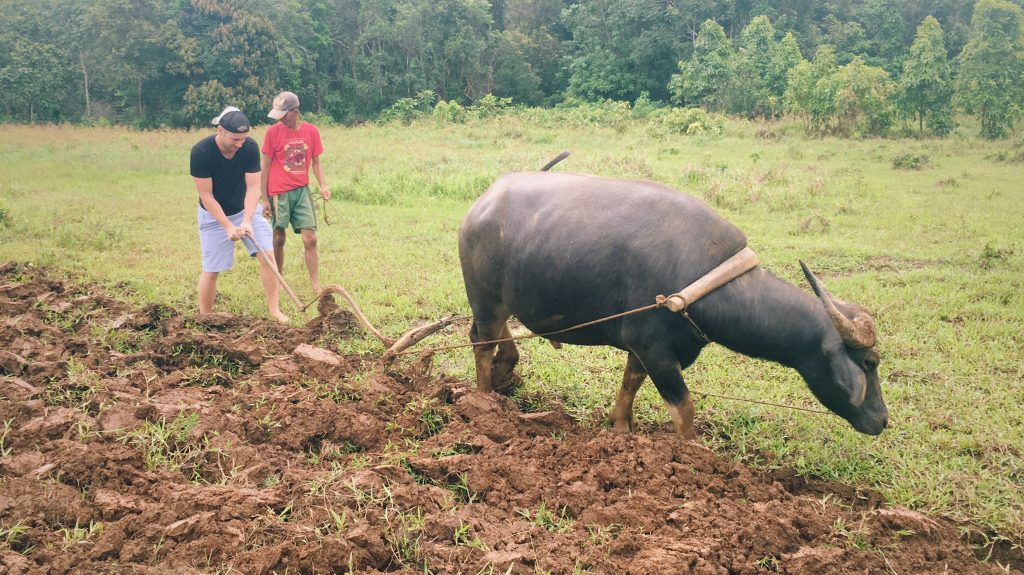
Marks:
<point>929,235</point>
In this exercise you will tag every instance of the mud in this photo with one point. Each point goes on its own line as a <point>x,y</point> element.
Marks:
<point>147,441</point>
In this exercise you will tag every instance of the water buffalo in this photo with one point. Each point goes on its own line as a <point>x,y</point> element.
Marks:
<point>556,250</point>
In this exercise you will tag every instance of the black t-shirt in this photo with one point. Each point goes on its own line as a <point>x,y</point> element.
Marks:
<point>228,175</point>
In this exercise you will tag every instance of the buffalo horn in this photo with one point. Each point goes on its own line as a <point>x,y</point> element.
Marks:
<point>858,332</point>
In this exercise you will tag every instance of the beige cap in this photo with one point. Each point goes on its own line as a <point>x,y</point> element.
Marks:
<point>284,102</point>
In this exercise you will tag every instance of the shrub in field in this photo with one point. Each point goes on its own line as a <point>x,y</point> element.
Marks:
<point>609,113</point>
<point>405,110</point>
<point>910,162</point>
<point>489,106</point>
<point>992,255</point>
<point>691,121</point>
<point>850,100</point>
<point>449,112</point>
<point>643,107</point>
<point>96,122</point>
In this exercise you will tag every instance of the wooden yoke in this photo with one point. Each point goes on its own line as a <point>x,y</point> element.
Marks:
<point>727,271</point>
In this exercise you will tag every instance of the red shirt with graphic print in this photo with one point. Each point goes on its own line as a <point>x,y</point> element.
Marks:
<point>291,153</point>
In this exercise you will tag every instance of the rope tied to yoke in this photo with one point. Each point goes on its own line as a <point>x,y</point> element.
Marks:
<point>742,262</point>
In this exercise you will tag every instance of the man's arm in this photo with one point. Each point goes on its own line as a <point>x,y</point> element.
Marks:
<point>252,199</point>
<point>205,188</point>
<point>265,183</point>
<point>318,171</point>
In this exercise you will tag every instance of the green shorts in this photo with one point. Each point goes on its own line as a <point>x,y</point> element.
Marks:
<point>293,207</point>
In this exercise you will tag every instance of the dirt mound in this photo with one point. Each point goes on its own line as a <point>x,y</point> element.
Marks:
<point>145,441</point>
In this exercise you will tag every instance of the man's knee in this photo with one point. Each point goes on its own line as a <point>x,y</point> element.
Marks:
<point>279,237</point>
<point>309,239</point>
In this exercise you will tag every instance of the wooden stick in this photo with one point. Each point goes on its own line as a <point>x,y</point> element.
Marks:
<point>334,288</point>
<point>273,267</point>
<point>413,336</point>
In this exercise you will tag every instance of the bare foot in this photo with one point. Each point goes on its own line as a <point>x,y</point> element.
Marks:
<point>279,316</point>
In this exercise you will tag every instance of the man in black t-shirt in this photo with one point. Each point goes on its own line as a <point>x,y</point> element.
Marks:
<point>226,171</point>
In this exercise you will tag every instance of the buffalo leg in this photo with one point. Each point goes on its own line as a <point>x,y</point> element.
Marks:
<point>666,373</point>
<point>484,354</point>
<point>505,360</point>
<point>622,413</point>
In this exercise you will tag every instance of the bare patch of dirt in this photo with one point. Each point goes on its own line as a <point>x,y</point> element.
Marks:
<point>145,441</point>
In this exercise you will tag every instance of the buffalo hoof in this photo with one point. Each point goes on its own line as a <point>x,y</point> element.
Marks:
<point>622,426</point>
<point>508,384</point>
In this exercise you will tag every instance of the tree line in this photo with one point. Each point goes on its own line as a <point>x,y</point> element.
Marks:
<point>843,67</point>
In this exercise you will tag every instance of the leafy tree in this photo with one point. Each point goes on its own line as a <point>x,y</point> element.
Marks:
<point>540,35</point>
<point>847,38</point>
<point>127,48</point>
<point>439,43</point>
<point>787,55</point>
<point>762,65</point>
<point>37,68</point>
<point>847,100</point>
<point>886,33</point>
<point>508,71</point>
<point>954,16</point>
<point>991,81</point>
<point>32,82</point>
<point>366,66</point>
<point>754,62</point>
<point>705,79</point>
<point>235,63</point>
<point>926,89</point>
<point>621,48</point>
<point>808,94</point>
<point>862,99</point>
<point>302,50</point>
<point>152,62</point>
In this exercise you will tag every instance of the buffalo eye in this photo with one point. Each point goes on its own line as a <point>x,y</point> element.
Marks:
<point>870,364</point>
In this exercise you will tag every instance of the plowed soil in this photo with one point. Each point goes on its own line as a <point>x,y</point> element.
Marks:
<point>147,441</point>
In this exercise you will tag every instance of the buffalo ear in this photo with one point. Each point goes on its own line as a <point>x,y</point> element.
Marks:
<point>851,380</point>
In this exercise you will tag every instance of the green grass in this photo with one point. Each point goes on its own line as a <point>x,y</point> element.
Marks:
<point>936,251</point>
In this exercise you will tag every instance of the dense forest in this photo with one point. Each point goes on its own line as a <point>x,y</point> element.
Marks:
<point>844,67</point>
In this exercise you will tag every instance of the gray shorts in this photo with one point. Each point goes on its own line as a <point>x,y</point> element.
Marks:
<point>218,250</point>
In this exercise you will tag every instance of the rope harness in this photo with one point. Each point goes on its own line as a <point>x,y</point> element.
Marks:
<point>744,261</point>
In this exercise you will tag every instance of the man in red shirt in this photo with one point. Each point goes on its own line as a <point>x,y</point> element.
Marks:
<point>291,148</point>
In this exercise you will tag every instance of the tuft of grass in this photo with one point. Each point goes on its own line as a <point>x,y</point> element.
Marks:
<point>80,535</point>
<point>601,535</point>
<point>7,426</point>
<point>76,390</point>
<point>12,537</point>
<point>859,536</point>
<point>992,256</point>
<point>545,518</point>
<point>461,489</point>
<point>431,414</point>
<point>170,445</point>
<point>462,536</point>
<point>403,532</point>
